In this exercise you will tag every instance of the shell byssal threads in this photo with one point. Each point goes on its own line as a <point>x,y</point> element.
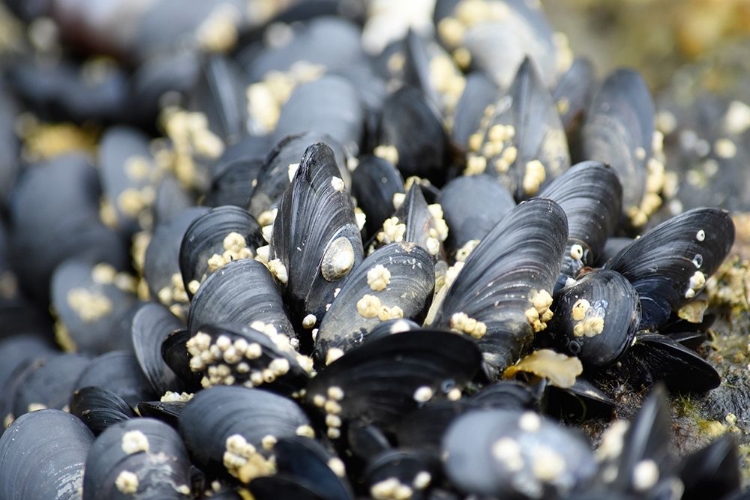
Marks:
<point>320,250</point>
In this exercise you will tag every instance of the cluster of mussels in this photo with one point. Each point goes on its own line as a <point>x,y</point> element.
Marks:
<point>339,249</point>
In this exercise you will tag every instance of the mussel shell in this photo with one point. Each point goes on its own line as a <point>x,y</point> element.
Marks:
<point>207,237</point>
<point>274,178</point>
<point>166,411</point>
<point>374,182</point>
<point>669,264</point>
<point>152,324</point>
<point>600,295</point>
<point>157,458</point>
<point>419,222</point>
<point>329,105</point>
<point>315,233</point>
<point>517,261</point>
<point>618,131</point>
<point>171,199</point>
<point>175,354</point>
<point>239,355</point>
<point>583,400</point>
<point>711,471</point>
<point>380,378</point>
<point>411,124</point>
<point>99,408</point>
<point>500,452</point>
<point>241,292</point>
<point>480,91</point>
<point>541,149</point>
<point>217,413</point>
<point>406,466</point>
<point>472,206</point>
<point>49,384</point>
<point>573,93</point>
<point>120,373</point>
<point>233,184</point>
<point>591,197</point>
<point>43,455</point>
<point>90,306</point>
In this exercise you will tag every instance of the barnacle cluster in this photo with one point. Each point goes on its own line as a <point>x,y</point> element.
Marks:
<point>349,249</point>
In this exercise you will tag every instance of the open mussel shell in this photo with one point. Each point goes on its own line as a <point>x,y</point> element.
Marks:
<point>316,241</point>
<point>48,383</point>
<point>99,408</point>
<point>239,355</point>
<point>393,282</point>
<point>515,454</point>
<point>411,125</point>
<point>711,471</point>
<point>233,184</point>
<point>523,142</point>
<point>241,292</point>
<point>43,455</point>
<point>596,318</point>
<point>618,130</point>
<point>472,206</point>
<point>304,465</point>
<point>591,197</point>
<point>223,235</point>
<point>670,264</point>
<point>161,267</point>
<point>90,300</point>
<point>128,174</point>
<point>141,458</point>
<point>657,358</point>
<point>384,379</point>
<point>374,183</point>
<point>227,429</point>
<point>278,171</point>
<point>502,294</point>
<point>403,471</point>
<point>120,373</point>
<point>151,326</point>
<point>329,105</point>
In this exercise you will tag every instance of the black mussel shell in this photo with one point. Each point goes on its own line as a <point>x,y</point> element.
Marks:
<point>669,264</point>
<point>166,411</point>
<point>572,95</point>
<point>43,455</point>
<point>502,296</point>
<point>99,408</point>
<point>375,181</point>
<point>316,241</point>
<point>329,105</point>
<point>128,174</point>
<point>161,267</point>
<point>234,183</point>
<point>120,373</point>
<point>90,300</point>
<point>384,379</point>
<point>171,199</point>
<point>507,394</point>
<point>306,464</point>
<point>472,206</point>
<point>278,171</point>
<point>394,282</point>
<point>479,93</point>
<point>523,143</point>
<point>176,356</point>
<point>711,472</point>
<point>240,355</point>
<point>411,125</point>
<point>416,70</point>
<point>152,324</point>
<point>424,428</point>
<point>581,401</point>
<point>142,458</point>
<point>402,470</point>
<point>618,130</point>
<point>49,383</point>
<point>214,239</point>
<point>233,429</point>
<point>241,292</point>
<point>16,352</point>
<point>515,454</point>
<point>220,95</point>
<point>596,318</point>
<point>591,197</point>
<point>612,247</point>
<point>654,358</point>
<point>366,440</point>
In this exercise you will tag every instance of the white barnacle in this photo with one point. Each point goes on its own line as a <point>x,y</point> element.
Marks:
<point>279,271</point>
<point>579,309</point>
<point>337,466</point>
<point>134,442</point>
<point>279,366</point>
<point>368,306</point>
<point>338,259</point>
<point>725,148</point>
<point>422,480</point>
<point>645,475</point>
<point>433,246</point>
<point>398,200</point>
<point>462,323</point>
<point>508,452</point>
<point>127,482</point>
<point>309,321</point>
<point>697,281</point>
<point>292,170</point>
<point>333,354</point>
<point>337,183</point>
<point>547,464</point>
<point>530,422</point>
<point>576,252</point>
<point>393,231</point>
<point>388,153</point>
<point>378,278</point>
<point>385,313</point>
<point>700,235</point>
<point>423,394</point>
<point>533,177</point>
<point>305,431</point>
